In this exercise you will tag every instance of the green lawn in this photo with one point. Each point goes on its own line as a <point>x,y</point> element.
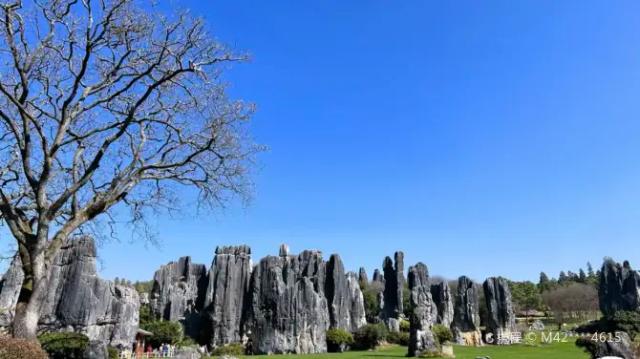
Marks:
<point>555,351</point>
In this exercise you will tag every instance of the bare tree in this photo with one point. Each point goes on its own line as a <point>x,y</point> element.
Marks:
<point>107,105</point>
<point>573,301</point>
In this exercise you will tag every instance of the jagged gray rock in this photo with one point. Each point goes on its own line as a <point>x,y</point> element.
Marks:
<point>178,294</point>
<point>501,319</point>
<point>227,293</point>
<point>10,284</point>
<point>80,301</point>
<point>466,317</point>
<point>363,278</point>
<point>619,287</point>
<point>423,315</point>
<point>393,282</point>
<point>344,298</point>
<point>441,295</point>
<point>377,276</point>
<point>289,311</point>
<point>621,347</point>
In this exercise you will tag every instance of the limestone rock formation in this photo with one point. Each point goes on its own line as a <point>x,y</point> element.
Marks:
<point>344,298</point>
<point>377,277</point>
<point>466,317</point>
<point>501,319</point>
<point>178,294</point>
<point>441,295</point>
<point>289,311</point>
<point>363,278</point>
<point>617,348</point>
<point>227,293</point>
<point>80,301</point>
<point>619,287</point>
<point>423,315</point>
<point>393,282</point>
<point>10,284</point>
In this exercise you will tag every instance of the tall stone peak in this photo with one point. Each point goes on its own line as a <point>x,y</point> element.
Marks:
<point>619,287</point>
<point>501,318</point>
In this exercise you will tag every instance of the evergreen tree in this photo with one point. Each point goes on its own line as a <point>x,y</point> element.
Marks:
<point>544,283</point>
<point>590,272</point>
<point>582,277</point>
<point>562,277</point>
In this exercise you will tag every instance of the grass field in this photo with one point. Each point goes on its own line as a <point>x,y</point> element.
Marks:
<point>549,351</point>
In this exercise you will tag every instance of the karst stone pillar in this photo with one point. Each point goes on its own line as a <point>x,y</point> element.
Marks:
<point>422,312</point>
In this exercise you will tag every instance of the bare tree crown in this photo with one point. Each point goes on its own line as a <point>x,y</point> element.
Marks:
<point>105,102</point>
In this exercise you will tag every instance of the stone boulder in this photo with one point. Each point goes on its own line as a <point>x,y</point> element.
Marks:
<point>622,348</point>
<point>178,294</point>
<point>466,317</point>
<point>289,312</point>
<point>344,298</point>
<point>619,287</point>
<point>423,316</point>
<point>226,301</point>
<point>501,319</point>
<point>393,284</point>
<point>442,298</point>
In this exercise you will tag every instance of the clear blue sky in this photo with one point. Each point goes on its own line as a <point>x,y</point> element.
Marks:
<point>480,137</point>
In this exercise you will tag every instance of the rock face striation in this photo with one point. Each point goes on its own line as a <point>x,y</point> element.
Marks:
<point>178,294</point>
<point>79,301</point>
<point>501,319</point>
<point>619,287</point>
<point>466,317</point>
<point>10,284</point>
<point>289,312</point>
<point>226,301</point>
<point>393,284</point>
<point>442,299</point>
<point>344,298</point>
<point>423,312</point>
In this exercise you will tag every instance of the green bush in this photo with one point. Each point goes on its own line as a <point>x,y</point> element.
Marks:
<point>338,340</point>
<point>187,342</point>
<point>11,348</point>
<point>625,321</point>
<point>401,338</point>
<point>404,325</point>
<point>370,297</point>
<point>442,334</point>
<point>163,332</point>
<point>146,316</point>
<point>370,336</point>
<point>233,349</point>
<point>64,345</point>
<point>113,353</point>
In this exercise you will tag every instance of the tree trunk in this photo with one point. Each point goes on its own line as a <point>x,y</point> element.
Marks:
<point>25,320</point>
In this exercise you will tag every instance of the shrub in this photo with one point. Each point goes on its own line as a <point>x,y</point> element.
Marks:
<point>232,349</point>
<point>442,334</point>
<point>113,353</point>
<point>370,336</point>
<point>64,345</point>
<point>163,332</point>
<point>625,321</point>
<point>338,340</point>
<point>11,348</point>
<point>401,338</point>
<point>187,342</point>
<point>404,325</point>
